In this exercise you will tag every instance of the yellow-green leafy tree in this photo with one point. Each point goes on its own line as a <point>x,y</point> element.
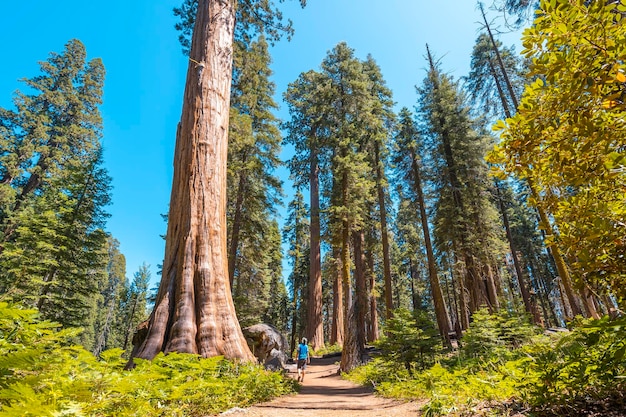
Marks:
<point>568,138</point>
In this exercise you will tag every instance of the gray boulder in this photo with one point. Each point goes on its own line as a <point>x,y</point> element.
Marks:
<point>268,345</point>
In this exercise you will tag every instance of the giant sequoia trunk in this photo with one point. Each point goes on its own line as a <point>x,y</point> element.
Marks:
<point>194,311</point>
<point>315,329</point>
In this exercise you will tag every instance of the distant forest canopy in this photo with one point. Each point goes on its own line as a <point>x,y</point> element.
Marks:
<point>424,209</point>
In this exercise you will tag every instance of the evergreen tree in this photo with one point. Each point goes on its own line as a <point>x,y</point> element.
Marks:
<point>254,145</point>
<point>277,312</point>
<point>307,132</point>
<point>296,234</point>
<point>350,110</point>
<point>109,321</point>
<point>379,125</point>
<point>203,321</point>
<point>54,190</point>
<point>408,163</point>
<point>486,82</point>
<point>464,216</point>
<point>136,302</point>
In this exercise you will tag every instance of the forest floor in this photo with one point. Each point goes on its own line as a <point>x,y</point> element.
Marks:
<point>325,394</point>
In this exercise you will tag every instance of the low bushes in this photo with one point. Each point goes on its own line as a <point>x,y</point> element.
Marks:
<point>41,374</point>
<point>504,364</point>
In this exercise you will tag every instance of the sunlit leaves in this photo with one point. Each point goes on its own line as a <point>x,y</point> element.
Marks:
<point>569,134</point>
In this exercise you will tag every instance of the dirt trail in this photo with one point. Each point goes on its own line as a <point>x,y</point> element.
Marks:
<point>325,394</point>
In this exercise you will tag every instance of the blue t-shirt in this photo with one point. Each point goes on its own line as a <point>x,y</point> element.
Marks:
<point>303,351</point>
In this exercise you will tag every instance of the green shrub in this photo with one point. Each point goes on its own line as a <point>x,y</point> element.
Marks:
<point>411,340</point>
<point>42,375</point>
<point>326,350</point>
<point>588,364</point>
<point>496,334</point>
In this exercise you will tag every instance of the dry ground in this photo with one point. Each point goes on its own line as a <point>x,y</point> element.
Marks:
<point>325,394</point>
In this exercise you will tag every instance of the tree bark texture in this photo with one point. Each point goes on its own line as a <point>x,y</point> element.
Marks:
<point>373,331</point>
<point>443,322</point>
<point>361,299</point>
<point>383,233</point>
<point>234,239</point>
<point>338,323</point>
<point>315,329</point>
<point>194,311</point>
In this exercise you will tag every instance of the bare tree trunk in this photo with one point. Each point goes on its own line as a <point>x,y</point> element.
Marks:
<point>518,269</point>
<point>352,354</point>
<point>443,322</point>
<point>383,232</point>
<point>315,329</point>
<point>338,323</point>
<point>561,267</point>
<point>234,240</point>
<point>374,332</point>
<point>360,302</point>
<point>194,311</point>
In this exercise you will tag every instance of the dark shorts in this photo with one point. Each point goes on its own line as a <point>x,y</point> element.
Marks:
<point>301,363</point>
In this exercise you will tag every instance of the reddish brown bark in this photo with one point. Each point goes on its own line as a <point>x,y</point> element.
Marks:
<point>441,313</point>
<point>337,333</point>
<point>373,332</point>
<point>194,311</point>
<point>315,329</point>
<point>383,232</point>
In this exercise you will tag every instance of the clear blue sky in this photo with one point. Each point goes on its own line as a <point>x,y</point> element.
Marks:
<point>146,71</point>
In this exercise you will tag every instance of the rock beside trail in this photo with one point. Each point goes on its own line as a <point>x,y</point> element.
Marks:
<point>268,345</point>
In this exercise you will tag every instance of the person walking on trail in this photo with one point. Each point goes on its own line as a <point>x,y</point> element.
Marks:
<point>303,358</point>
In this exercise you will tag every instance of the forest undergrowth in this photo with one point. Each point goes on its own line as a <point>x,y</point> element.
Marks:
<point>504,367</point>
<point>42,373</point>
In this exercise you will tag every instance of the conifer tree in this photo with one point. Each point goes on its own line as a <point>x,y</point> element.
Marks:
<point>194,311</point>
<point>296,234</point>
<point>109,323</point>
<point>54,191</point>
<point>307,132</point>
<point>379,124</point>
<point>464,218</point>
<point>254,144</point>
<point>136,302</point>
<point>408,161</point>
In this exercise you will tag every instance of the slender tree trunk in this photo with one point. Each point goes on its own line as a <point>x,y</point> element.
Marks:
<point>361,299</point>
<point>505,104</point>
<point>345,273</point>
<point>443,322</point>
<point>516,263</point>
<point>374,333</point>
<point>383,231</point>
<point>463,307</point>
<point>556,253</point>
<point>129,328</point>
<point>415,296</point>
<point>194,310</point>
<point>234,240</point>
<point>507,80</point>
<point>337,334</point>
<point>315,329</point>
<point>345,251</point>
